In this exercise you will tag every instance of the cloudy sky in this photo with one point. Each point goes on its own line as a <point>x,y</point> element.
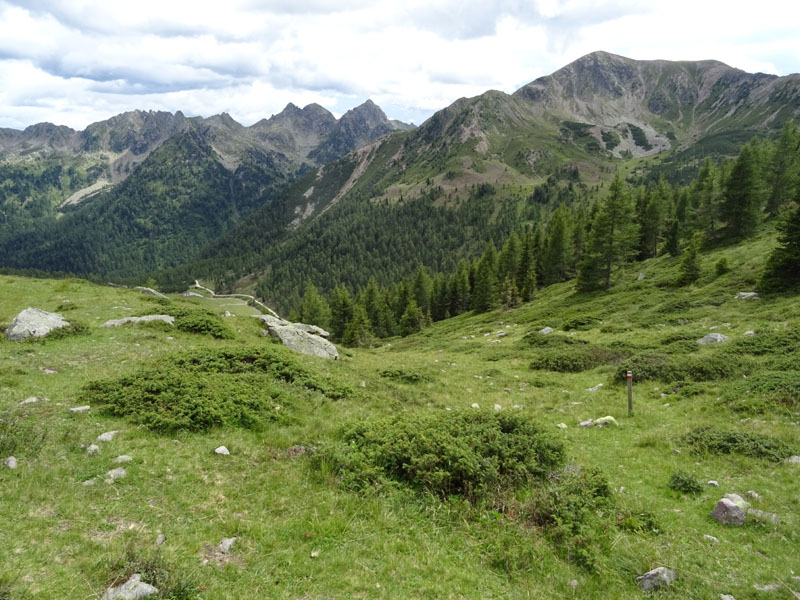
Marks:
<point>73,62</point>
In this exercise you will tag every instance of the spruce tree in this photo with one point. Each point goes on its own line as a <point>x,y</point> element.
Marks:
<point>740,207</point>
<point>556,258</point>
<point>484,292</point>
<point>314,309</point>
<point>689,268</point>
<point>783,265</point>
<point>358,332</point>
<point>341,311</point>
<point>413,319</point>
<point>783,170</point>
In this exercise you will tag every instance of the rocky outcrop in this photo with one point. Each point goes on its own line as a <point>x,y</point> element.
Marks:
<point>300,337</point>
<point>34,322</point>
<point>130,590</point>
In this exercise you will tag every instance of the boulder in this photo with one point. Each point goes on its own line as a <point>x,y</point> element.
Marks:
<point>713,338</point>
<point>222,450</point>
<point>114,474</point>
<point>792,460</point>
<point>641,277</point>
<point>93,450</point>
<point>10,462</point>
<point>34,322</point>
<point>300,337</point>
<point>169,320</point>
<point>226,544</point>
<point>658,578</point>
<point>150,292</point>
<point>546,331</point>
<point>107,436</point>
<point>730,510</point>
<point>132,589</point>
<point>79,409</point>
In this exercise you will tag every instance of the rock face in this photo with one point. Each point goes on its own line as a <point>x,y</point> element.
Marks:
<point>169,320</point>
<point>299,337</point>
<point>130,590</point>
<point>656,579</point>
<point>34,322</point>
<point>713,338</point>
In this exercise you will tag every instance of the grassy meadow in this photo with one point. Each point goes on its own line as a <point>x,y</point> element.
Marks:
<point>316,507</point>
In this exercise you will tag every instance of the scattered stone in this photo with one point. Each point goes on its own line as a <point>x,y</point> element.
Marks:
<point>48,371</point>
<point>595,388</point>
<point>770,587</point>
<point>726,597</point>
<point>91,481</point>
<point>747,296</point>
<point>603,421</point>
<point>753,494</point>
<point>123,459</point>
<point>34,322</point>
<point>132,589</point>
<point>562,425</point>
<point>226,544</point>
<point>363,384</point>
<point>115,474</point>
<point>161,537</point>
<point>31,400</point>
<point>676,451</point>
<point>107,436</point>
<point>730,510</point>
<point>793,460</point>
<point>169,320</point>
<point>192,295</point>
<point>79,409</point>
<point>150,292</point>
<point>10,462</point>
<point>93,450</point>
<point>713,338</point>
<point>656,579</point>
<point>222,450</point>
<point>641,277</point>
<point>509,390</point>
<point>501,334</point>
<point>763,516</point>
<point>497,407</point>
<point>713,483</point>
<point>586,423</point>
<point>546,331</point>
<point>227,313</point>
<point>749,332</point>
<point>711,538</point>
<point>475,405</point>
<point>301,338</point>
<point>682,322</point>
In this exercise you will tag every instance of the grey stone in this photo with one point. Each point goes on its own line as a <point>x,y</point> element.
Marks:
<point>497,408</point>
<point>770,587</point>
<point>562,425</point>
<point>749,332</point>
<point>107,436</point>
<point>79,409</point>
<point>595,388</point>
<point>161,539</point>
<point>656,579</point>
<point>747,296</point>
<point>726,597</point>
<point>222,450</point>
<point>34,322</point>
<point>226,544</point>
<point>586,423</point>
<point>93,450</point>
<point>713,338</point>
<point>168,319</point>
<point>711,538</point>
<point>192,295</point>
<point>475,405</point>
<point>31,400</point>
<point>10,462</point>
<point>763,516</point>
<point>114,474</point>
<point>150,292</point>
<point>753,494</point>
<point>640,277</point>
<point>682,321</point>
<point>713,483</point>
<point>546,331</point>
<point>132,589</point>
<point>793,460</point>
<point>603,421</point>
<point>123,459</point>
<point>729,512</point>
<point>227,313</point>
<point>301,338</point>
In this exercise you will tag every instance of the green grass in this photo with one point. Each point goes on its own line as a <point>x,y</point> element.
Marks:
<point>284,503</point>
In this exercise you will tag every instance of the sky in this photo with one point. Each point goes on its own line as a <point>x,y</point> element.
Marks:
<point>75,62</point>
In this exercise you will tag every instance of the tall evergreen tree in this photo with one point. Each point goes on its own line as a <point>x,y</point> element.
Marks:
<point>556,259</point>
<point>526,276</point>
<point>689,268</point>
<point>484,293</point>
<point>783,170</point>
<point>314,309</point>
<point>358,332</point>
<point>413,319</point>
<point>783,265</point>
<point>613,239</point>
<point>341,311</point>
<point>740,207</point>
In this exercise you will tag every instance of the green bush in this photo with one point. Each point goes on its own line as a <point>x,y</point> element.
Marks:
<point>782,342</point>
<point>574,507</point>
<point>710,440</point>
<point>20,435</point>
<point>685,483</point>
<point>576,359</point>
<point>534,339</point>
<point>648,367</point>
<point>645,367</point>
<point>204,389</point>
<point>580,323</point>
<point>406,375</point>
<point>765,392</point>
<point>721,266</point>
<point>475,454</point>
<point>197,320</point>
<point>155,571</point>
<point>74,328</point>
<point>638,522</point>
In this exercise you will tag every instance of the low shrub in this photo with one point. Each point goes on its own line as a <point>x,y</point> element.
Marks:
<point>73,329</point>
<point>654,366</point>
<point>534,339</point>
<point>685,483</point>
<point>154,570</point>
<point>721,266</point>
<point>576,359</point>
<point>580,323</point>
<point>710,440</point>
<point>19,435</point>
<point>406,375</point>
<point>638,522</point>
<point>475,454</point>
<point>778,343</point>
<point>197,320</point>
<point>765,392</point>
<point>645,367</point>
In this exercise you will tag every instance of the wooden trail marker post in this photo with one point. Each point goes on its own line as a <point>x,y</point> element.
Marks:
<point>630,393</point>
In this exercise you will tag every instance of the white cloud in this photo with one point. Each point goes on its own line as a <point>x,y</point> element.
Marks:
<point>75,61</point>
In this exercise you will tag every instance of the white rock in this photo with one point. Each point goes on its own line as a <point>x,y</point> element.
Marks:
<point>749,332</point>
<point>93,450</point>
<point>713,483</point>
<point>115,474</point>
<point>107,436</point>
<point>222,450</point>
<point>161,539</point>
<point>640,277</point>
<point>770,587</point>
<point>497,407</point>
<point>79,409</point>
<point>793,460</point>
<point>747,296</point>
<point>132,589</point>
<point>595,388</point>
<point>31,400</point>
<point>475,405</point>
<point>753,494</point>
<point>656,579</point>
<point>123,459</point>
<point>562,425</point>
<point>586,423</point>
<point>10,462</point>
<point>546,331</point>
<point>149,292</point>
<point>169,320</point>
<point>603,421</point>
<point>713,338</point>
<point>226,544</point>
<point>34,322</point>
<point>726,597</point>
<point>711,538</point>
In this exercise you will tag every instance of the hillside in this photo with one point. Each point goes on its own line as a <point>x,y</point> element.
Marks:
<point>315,512</point>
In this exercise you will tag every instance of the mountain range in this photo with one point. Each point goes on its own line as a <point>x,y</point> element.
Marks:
<point>287,197</point>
